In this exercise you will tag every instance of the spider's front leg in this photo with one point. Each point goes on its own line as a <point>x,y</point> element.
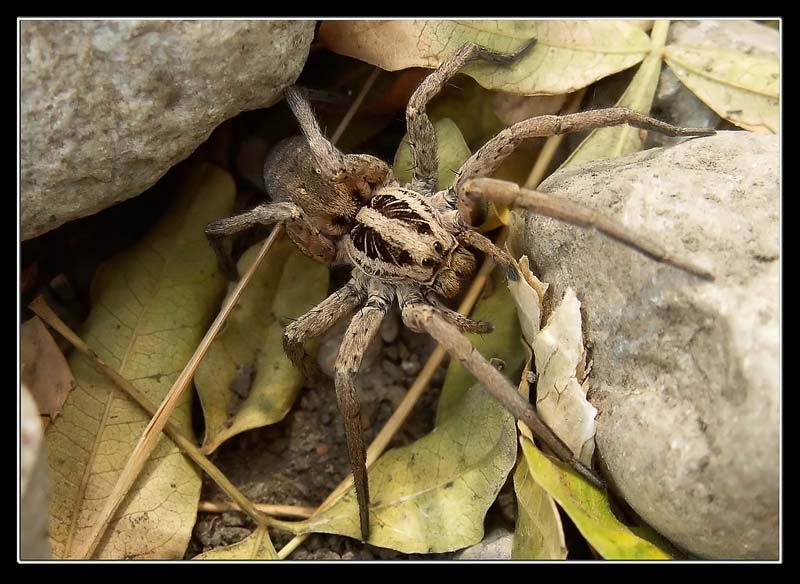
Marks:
<point>474,191</point>
<point>307,237</point>
<point>360,333</point>
<point>421,135</point>
<point>422,318</point>
<point>489,156</point>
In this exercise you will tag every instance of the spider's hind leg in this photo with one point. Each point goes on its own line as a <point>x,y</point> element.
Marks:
<point>421,135</point>
<point>360,333</point>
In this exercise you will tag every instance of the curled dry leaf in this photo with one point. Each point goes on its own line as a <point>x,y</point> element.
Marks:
<point>589,508</point>
<point>431,496</point>
<point>44,370</point>
<point>569,54</point>
<point>539,534</point>
<point>151,305</point>
<point>560,361</point>
<point>625,139</point>
<point>256,546</point>
<point>246,380</point>
<point>743,89</point>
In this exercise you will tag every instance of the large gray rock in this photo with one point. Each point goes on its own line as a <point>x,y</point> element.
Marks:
<point>109,106</point>
<point>686,371</point>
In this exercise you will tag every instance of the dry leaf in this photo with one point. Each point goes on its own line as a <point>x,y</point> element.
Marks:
<point>246,381</point>
<point>256,546</point>
<point>151,306</point>
<point>743,89</point>
<point>624,139</point>
<point>569,55</point>
<point>44,369</point>
<point>560,397</point>
<point>589,508</point>
<point>539,534</point>
<point>431,496</point>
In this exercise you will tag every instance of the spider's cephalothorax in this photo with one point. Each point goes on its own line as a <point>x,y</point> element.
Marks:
<point>410,244</point>
<point>399,236</point>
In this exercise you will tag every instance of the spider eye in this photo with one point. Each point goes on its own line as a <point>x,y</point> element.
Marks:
<point>424,229</point>
<point>428,262</point>
<point>438,247</point>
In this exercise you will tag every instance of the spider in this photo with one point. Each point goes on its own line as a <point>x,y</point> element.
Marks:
<point>412,244</point>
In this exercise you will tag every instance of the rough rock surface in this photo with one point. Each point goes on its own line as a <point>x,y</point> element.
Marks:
<point>109,106</point>
<point>495,546</point>
<point>686,372</point>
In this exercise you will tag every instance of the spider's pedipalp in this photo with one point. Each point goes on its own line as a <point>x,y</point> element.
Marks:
<point>360,333</point>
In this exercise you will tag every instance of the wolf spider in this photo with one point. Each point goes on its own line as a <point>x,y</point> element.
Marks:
<point>413,244</point>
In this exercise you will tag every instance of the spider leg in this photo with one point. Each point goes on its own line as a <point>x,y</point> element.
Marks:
<point>360,333</point>
<point>326,154</point>
<point>510,194</point>
<point>463,323</point>
<point>421,135</point>
<point>491,155</point>
<point>482,243</point>
<point>314,323</point>
<point>422,318</point>
<point>302,233</point>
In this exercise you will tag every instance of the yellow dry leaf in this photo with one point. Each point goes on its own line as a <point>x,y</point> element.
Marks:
<point>246,380</point>
<point>569,55</point>
<point>589,509</point>
<point>431,496</point>
<point>256,546</point>
<point>743,89</point>
<point>539,534</point>
<point>150,307</point>
<point>624,139</point>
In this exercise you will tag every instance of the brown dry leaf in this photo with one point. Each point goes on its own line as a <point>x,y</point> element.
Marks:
<point>151,305</point>
<point>743,89</point>
<point>44,369</point>
<point>569,55</point>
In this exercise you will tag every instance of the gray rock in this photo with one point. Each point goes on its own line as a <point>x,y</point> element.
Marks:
<point>495,546</point>
<point>109,106</point>
<point>677,104</point>
<point>686,372</point>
